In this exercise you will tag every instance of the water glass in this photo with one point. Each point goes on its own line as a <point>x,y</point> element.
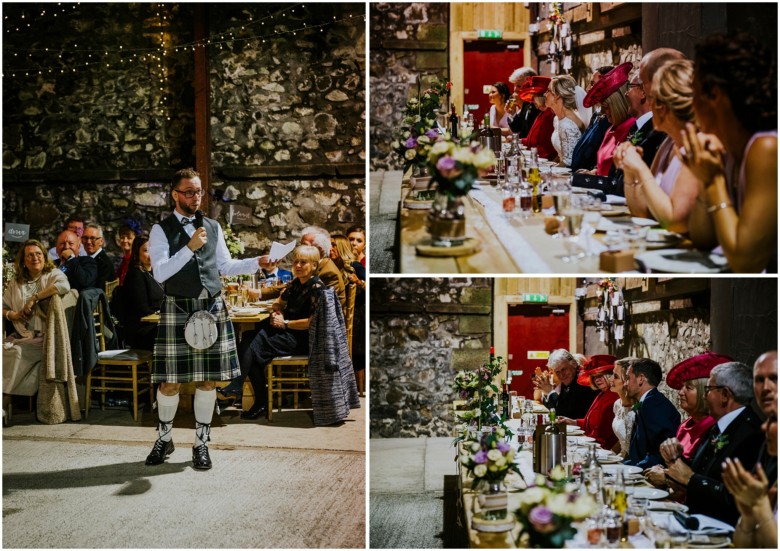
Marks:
<point>525,194</point>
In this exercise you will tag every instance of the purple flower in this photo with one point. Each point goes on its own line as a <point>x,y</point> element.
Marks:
<point>503,447</point>
<point>410,143</point>
<point>481,457</point>
<point>431,133</point>
<point>541,518</point>
<point>445,164</point>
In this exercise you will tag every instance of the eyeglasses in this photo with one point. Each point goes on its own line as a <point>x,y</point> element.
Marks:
<point>90,239</point>
<point>190,193</point>
<point>708,388</point>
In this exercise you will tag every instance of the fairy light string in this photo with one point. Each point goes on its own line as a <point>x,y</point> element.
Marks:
<point>157,55</point>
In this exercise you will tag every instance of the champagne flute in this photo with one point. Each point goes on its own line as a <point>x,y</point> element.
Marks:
<point>574,215</point>
<point>591,219</point>
<point>561,193</point>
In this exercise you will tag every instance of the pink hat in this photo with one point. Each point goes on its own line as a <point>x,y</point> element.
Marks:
<point>608,84</point>
<point>600,363</point>
<point>697,367</point>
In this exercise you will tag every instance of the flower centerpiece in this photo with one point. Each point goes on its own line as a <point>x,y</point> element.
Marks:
<point>548,508</point>
<point>454,168</point>
<point>419,128</point>
<point>9,268</point>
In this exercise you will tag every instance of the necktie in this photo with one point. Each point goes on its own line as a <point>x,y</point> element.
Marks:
<point>633,130</point>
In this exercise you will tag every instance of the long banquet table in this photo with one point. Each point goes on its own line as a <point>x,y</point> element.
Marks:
<point>516,245</point>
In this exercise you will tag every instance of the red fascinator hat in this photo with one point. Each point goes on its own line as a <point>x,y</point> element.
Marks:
<point>534,86</point>
<point>608,84</point>
<point>697,367</point>
<point>600,363</point>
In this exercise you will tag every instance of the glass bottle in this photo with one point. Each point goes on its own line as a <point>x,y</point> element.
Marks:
<point>592,475</point>
<point>535,179</point>
<point>454,122</point>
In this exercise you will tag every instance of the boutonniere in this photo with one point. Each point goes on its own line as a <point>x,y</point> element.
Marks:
<point>720,441</point>
<point>636,407</point>
<point>636,137</point>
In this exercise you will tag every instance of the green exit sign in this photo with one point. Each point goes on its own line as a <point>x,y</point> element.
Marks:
<point>534,297</point>
<point>489,33</point>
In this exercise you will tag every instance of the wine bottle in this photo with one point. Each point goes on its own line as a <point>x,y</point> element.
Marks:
<point>454,122</point>
<point>535,179</point>
<point>506,412</point>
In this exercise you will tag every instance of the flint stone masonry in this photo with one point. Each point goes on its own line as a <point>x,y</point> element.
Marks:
<point>407,41</point>
<point>286,121</point>
<point>416,349</point>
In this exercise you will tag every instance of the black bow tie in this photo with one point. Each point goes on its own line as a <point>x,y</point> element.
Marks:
<point>185,221</point>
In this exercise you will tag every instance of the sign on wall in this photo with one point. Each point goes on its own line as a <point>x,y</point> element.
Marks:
<point>538,354</point>
<point>240,215</point>
<point>16,232</point>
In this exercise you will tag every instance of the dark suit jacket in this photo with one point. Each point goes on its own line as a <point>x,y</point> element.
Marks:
<point>522,122</point>
<point>331,276</point>
<point>81,272</point>
<point>649,140</point>
<point>573,401</point>
<point>656,420</point>
<point>707,494</point>
<point>105,270</point>
<point>584,154</point>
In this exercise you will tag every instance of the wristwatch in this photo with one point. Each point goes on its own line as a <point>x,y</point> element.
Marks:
<point>285,323</point>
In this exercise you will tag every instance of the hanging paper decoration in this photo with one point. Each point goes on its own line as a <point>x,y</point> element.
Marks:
<point>559,52</point>
<point>610,320</point>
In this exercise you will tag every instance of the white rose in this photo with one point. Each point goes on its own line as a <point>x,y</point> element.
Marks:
<point>476,412</point>
<point>583,507</point>
<point>475,447</point>
<point>407,134</point>
<point>493,455</point>
<point>500,462</point>
<point>559,504</point>
<point>480,471</point>
<point>465,460</point>
<point>484,158</point>
<point>395,145</point>
<point>493,468</point>
<point>463,155</point>
<point>410,154</point>
<point>510,455</point>
<point>423,139</point>
<point>535,494</point>
<point>501,432</point>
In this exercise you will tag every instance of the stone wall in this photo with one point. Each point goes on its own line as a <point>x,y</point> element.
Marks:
<point>422,331</point>
<point>286,120</point>
<point>408,41</point>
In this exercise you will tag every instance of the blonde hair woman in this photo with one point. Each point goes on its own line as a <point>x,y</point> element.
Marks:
<point>561,97</point>
<point>667,190</point>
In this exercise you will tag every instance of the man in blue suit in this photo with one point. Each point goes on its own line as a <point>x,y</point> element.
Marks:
<point>656,417</point>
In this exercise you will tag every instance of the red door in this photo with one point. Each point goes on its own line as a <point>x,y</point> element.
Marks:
<point>486,62</point>
<point>534,331</point>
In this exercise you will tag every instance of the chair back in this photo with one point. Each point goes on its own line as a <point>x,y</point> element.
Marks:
<point>98,319</point>
<point>349,314</point>
<point>110,287</point>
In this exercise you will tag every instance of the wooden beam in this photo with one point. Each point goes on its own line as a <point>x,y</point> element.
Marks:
<point>202,138</point>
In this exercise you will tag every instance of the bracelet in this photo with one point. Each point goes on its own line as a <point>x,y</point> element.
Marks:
<point>723,205</point>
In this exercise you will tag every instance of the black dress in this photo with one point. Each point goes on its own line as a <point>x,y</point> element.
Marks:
<point>359,322</point>
<point>140,295</point>
<point>257,349</point>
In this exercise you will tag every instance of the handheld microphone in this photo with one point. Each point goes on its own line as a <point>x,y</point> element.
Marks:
<point>198,223</point>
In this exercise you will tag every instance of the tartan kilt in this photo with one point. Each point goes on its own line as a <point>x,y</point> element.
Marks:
<point>175,361</point>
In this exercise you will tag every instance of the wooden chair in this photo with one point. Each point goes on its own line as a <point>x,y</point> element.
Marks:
<point>110,287</point>
<point>290,374</point>
<point>126,370</point>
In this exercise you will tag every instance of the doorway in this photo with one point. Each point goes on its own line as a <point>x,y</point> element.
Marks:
<point>484,63</point>
<point>533,331</point>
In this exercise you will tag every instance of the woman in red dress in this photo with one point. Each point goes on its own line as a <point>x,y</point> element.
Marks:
<point>540,134</point>
<point>597,423</point>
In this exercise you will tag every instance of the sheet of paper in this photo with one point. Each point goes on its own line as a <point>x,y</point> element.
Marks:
<point>279,251</point>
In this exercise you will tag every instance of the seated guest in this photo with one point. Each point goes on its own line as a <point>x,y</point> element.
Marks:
<point>498,96</point>
<point>93,244</point>
<point>357,238</point>
<point>81,271</point>
<point>623,421</point>
<point>327,271</point>
<point>356,276</point>
<point>765,391</point>
<point>352,271</point>
<point>275,272</point>
<point>572,400</point>
<point>584,154</point>
<point>656,417</point>
<point>610,92</point>
<point>689,377</point>
<point>540,134</point>
<point>76,225</point>
<point>735,102</point>
<point>25,307</point>
<point>124,239</point>
<point>140,296</point>
<point>755,497</point>
<point>667,190</point>
<point>286,332</point>
<point>736,434</point>
<point>521,118</point>
<point>597,423</point>
<point>562,99</point>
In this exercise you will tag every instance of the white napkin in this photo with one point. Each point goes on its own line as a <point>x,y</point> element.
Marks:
<point>616,200</point>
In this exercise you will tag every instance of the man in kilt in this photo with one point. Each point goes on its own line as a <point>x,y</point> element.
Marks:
<point>188,255</point>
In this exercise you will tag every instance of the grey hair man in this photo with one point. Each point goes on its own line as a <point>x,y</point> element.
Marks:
<point>93,244</point>
<point>569,399</point>
<point>521,119</point>
<point>327,271</point>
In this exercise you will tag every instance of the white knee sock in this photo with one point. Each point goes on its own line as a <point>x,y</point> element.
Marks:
<point>166,410</point>
<point>204,411</point>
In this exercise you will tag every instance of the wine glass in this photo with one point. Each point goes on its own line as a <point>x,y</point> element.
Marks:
<point>574,215</point>
<point>591,219</point>
<point>561,193</point>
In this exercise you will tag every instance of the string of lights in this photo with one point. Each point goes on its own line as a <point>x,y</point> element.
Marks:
<point>107,57</point>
